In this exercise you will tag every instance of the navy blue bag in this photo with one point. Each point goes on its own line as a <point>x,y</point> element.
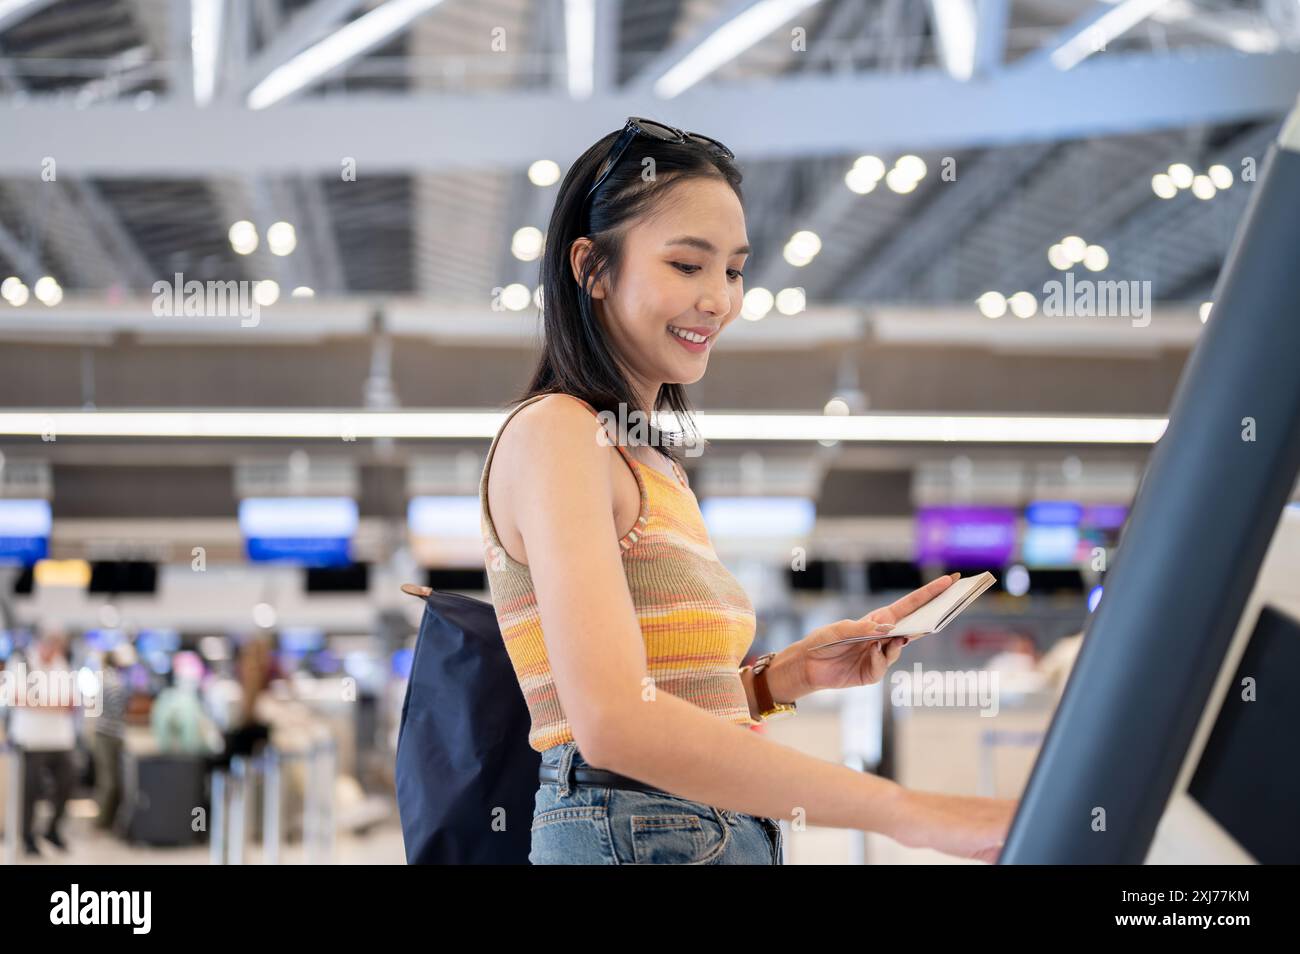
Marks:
<point>462,746</point>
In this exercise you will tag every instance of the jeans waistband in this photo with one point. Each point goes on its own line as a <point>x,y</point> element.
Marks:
<point>563,764</point>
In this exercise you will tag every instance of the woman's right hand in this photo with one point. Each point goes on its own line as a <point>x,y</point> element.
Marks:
<point>963,825</point>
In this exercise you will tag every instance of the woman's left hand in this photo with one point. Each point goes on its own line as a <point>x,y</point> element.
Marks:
<point>866,662</point>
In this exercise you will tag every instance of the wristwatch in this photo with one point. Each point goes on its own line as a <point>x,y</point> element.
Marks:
<point>768,708</point>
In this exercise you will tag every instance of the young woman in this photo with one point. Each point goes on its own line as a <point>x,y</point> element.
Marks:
<point>624,629</point>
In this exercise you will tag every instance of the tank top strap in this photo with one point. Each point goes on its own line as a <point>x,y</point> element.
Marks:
<point>627,455</point>
<point>643,513</point>
<point>632,462</point>
<point>496,438</point>
<point>681,472</point>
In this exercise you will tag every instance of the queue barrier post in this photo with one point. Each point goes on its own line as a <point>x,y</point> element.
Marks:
<point>14,801</point>
<point>230,804</point>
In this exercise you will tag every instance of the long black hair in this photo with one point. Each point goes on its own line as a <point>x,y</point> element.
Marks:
<point>577,356</point>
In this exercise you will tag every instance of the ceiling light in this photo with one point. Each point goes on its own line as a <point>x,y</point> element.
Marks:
<point>13,291</point>
<point>266,292</point>
<point>860,181</point>
<point>790,301</point>
<point>870,166</point>
<point>1095,258</point>
<point>243,237</point>
<point>516,296</point>
<point>992,304</point>
<point>526,244</point>
<point>47,291</point>
<point>1221,176</point>
<point>757,303</point>
<point>482,425</point>
<point>911,166</point>
<point>1023,304</point>
<point>1181,174</point>
<point>1074,247</point>
<point>899,181</point>
<point>802,248</point>
<point>281,238</point>
<point>543,172</point>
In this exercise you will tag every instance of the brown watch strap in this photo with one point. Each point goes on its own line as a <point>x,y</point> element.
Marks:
<point>762,692</point>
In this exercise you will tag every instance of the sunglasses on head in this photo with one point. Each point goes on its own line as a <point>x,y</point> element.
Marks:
<point>636,126</point>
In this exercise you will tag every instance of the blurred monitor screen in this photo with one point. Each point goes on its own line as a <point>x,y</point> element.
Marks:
<point>1050,546</point>
<point>24,582</point>
<point>730,518</point>
<point>402,660</point>
<point>301,639</point>
<point>445,531</point>
<point>102,640</point>
<point>157,640</point>
<point>885,575</point>
<point>965,536</point>
<point>123,576</point>
<point>24,531</point>
<point>348,578</point>
<point>454,516</point>
<point>473,581</point>
<point>1104,516</point>
<point>816,576</point>
<point>1100,527</point>
<point>309,531</point>
<point>1053,513</point>
<point>1248,777</point>
<point>323,663</point>
<point>1051,533</point>
<point>1047,580</point>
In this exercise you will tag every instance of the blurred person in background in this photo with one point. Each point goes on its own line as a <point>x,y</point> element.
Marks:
<point>1059,660</point>
<point>44,728</point>
<point>110,734</point>
<point>246,729</point>
<point>178,721</point>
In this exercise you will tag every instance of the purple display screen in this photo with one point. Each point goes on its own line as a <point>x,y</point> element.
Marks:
<point>1104,516</point>
<point>965,536</point>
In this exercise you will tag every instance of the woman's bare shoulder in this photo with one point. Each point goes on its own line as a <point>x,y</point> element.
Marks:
<point>556,439</point>
<point>545,424</point>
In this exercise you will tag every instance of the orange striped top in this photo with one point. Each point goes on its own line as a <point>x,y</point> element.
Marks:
<point>696,620</point>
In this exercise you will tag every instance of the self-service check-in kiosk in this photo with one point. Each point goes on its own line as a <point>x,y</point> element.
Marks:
<point>1154,732</point>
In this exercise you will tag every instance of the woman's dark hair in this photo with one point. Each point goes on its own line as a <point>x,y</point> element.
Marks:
<point>577,356</point>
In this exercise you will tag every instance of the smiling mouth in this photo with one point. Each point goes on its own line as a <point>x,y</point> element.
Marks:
<point>691,336</point>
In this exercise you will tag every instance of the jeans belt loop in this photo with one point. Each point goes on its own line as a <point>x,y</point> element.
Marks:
<point>565,768</point>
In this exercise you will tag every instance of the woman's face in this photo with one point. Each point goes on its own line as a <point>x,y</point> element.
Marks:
<point>681,270</point>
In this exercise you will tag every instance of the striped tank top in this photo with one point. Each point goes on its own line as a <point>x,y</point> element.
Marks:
<point>696,620</point>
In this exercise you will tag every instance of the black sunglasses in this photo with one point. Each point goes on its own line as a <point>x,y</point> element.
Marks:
<point>636,126</point>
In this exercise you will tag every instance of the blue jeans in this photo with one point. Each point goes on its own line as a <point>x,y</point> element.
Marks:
<point>596,825</point>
